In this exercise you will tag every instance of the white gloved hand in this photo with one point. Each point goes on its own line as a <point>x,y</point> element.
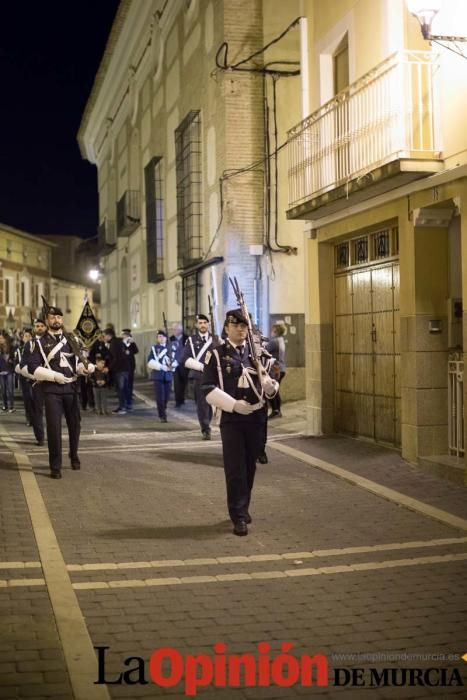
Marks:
<point>91,368</point>
<point>191,363</point>
<point>243,407</point>
<point>155,365</point>
<point>18,369</point>
<point>269,385</point>
<point>60,378</point>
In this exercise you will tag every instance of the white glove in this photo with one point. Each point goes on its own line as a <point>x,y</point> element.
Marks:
<point>18,369</point>
<point>91,368</point>
<point>243,407</point>
<point>43,374</point>
<point>269,385</point>
<point>191,363</point>
<point>154,364</point>
<point>60,378</point>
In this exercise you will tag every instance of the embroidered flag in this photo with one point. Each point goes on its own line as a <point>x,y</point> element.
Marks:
<point>87,327</point>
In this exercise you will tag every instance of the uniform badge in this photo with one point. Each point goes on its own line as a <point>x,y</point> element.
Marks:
<point>208,357</point>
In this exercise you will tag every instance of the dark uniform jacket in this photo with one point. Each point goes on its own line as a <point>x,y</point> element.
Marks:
<point>224,368</point>
<point>194,348</point>
<point>130,350</point>
<point>63,361</point>
<point>164,354</point>
<point>118,360</point>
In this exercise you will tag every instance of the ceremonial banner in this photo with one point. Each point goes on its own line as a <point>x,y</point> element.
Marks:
<point>87,327</point>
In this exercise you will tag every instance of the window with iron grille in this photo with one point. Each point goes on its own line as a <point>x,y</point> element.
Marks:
<point>342,255</point>
<point>188,175</point>
<point>190,286</point>
<point>154,219</point>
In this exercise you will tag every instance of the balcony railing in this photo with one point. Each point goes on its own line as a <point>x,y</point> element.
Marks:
<point>106,235</point>
<point>128,213</point>
<point>387,114</point>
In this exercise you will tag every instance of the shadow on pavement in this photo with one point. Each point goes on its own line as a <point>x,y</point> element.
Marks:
<point>179,532</point>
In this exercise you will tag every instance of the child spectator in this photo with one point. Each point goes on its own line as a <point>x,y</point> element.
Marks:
<point>100,380</point>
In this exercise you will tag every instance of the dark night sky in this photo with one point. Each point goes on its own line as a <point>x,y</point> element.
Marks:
<point>49,54</point>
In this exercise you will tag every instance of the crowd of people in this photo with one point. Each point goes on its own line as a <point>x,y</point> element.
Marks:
<point>230,374</point>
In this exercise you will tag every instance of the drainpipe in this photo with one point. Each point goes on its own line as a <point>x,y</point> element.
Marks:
<point>304,75</point>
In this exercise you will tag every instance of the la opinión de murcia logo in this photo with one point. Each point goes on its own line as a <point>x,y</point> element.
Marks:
<point>167,667</point>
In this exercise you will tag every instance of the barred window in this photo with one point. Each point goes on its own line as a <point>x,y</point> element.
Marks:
<point>190,294</point>
<point>154,219</point>
<point>361,250</point>
<point>342,255</point>
<point>188,176</point>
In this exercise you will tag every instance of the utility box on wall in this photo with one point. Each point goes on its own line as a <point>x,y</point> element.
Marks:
<point>294,337</point>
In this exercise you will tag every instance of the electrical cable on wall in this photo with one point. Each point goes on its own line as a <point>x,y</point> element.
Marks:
<point>275,73</point>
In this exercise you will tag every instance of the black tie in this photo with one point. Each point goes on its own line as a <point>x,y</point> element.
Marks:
<point>239,349</point>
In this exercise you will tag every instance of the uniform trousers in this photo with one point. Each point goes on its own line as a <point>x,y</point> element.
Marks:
<point>180,381</point>
<point>57,405</point>
<point>38,411</point>
<point>242,443</point>
<point>162,392</point>
<point>26,391</point>
<point>203,409</point>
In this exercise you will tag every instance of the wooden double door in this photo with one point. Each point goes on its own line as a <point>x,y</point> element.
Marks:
<point>367,353</point>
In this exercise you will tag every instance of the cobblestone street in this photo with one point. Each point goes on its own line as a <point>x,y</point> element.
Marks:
<point>351,552</point>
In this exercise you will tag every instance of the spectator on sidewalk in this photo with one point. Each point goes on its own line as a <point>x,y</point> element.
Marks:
<point>131,349</point>
<point>276,347</point>
<point>119,366</point>
<point>85,387</point>
<point>7,375</point>
<point>100,380</point>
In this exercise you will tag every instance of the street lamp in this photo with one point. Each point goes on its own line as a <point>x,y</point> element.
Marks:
<point>425,11</point>
<point>94,275</point>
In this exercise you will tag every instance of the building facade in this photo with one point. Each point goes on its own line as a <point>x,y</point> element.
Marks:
<point>378,169</point>
<point>186,125</point>
<point>25,271</point>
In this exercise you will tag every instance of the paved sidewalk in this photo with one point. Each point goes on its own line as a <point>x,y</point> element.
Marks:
<point>149,556</point>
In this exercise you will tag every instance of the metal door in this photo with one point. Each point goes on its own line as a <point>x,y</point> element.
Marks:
<point>367,354</point>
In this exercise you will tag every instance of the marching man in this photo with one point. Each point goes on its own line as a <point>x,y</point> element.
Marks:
<point>162,363</point>
<point>193,357</point>
<point>53,362</point>
<point>238,385</point>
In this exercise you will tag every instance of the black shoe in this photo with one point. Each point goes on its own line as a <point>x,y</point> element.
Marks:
<point>75,464</point>
<point>206,434</point>
<point>55,475</point>
<point>263,459</point>
<point>248,519</point>
<point>164,420</point>
<point>275,414</point>
<point>240,528</point>
<point>40,443</point>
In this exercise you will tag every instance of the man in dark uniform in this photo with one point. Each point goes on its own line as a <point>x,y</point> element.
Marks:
<point>24,382</point>
<point>193,357</point>
<point>39,329</point>
<point>53,362</point>
<point>178,340</point>
<point>236,385</point>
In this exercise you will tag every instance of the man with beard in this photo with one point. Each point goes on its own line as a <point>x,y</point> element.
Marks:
<point>53,362</point>
<point>39,329</point>
<point>193,356</point>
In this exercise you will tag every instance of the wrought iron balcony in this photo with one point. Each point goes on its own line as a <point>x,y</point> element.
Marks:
<point>383,126</point>
<point>106,236</point>
<point>128,213</point>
